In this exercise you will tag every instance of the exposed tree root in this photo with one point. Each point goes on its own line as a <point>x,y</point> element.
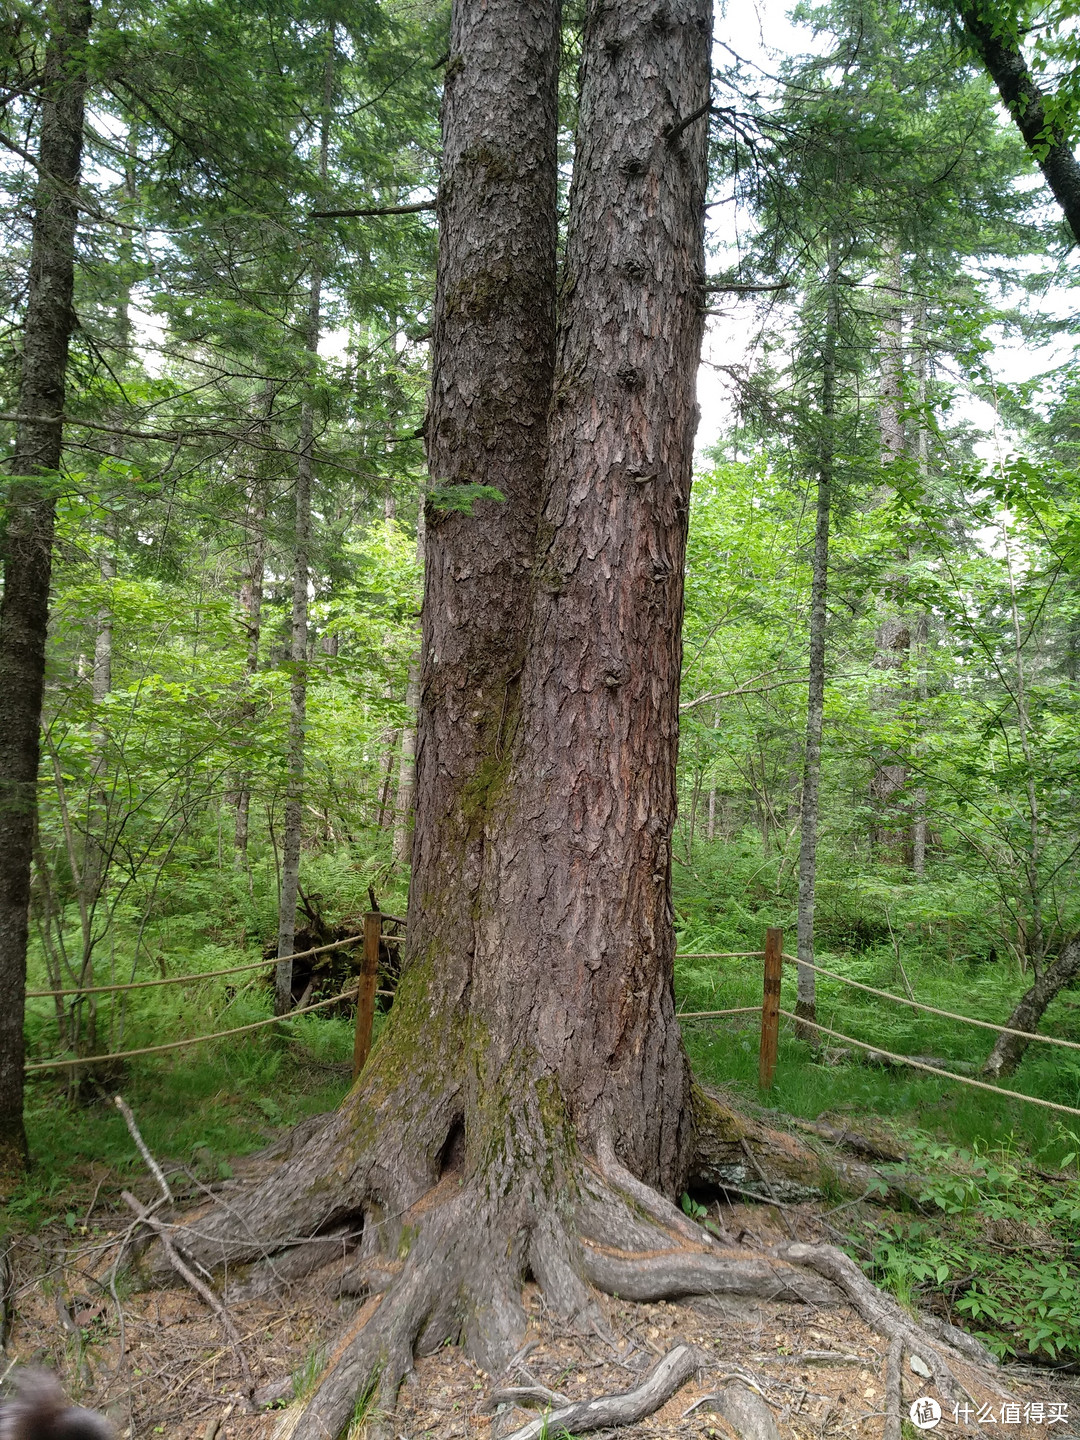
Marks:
<point>745,1411</point>
<point>656,1389</point>
<point>894,1389</point>
<point>437,1253</point>
<point>884,1315</point>
<point>671,1274</point>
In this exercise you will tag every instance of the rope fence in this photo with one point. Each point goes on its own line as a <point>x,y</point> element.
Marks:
<point>932,1010</point>
<point>192,1039</point>
<point>202,974</point>
<point>719,954</point>
<point>771,1011</point>
<point>932,1069</point>
<point>364,992</point>
<point>712,1014</point>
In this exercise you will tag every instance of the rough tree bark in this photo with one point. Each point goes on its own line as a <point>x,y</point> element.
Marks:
<point>805,1002</point>
<point>529,1103</point>
<point>1009,1050</point>
<point>24,612</point>
<point>577,939</point>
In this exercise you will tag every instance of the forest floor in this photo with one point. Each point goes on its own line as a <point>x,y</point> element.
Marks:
<point>996,1222</point>
<point>157,1361</point>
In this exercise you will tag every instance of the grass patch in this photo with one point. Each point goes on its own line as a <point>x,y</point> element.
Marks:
<point>197,1108</point>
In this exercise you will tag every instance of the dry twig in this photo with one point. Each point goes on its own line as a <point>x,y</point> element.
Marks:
<point>199,1286</point>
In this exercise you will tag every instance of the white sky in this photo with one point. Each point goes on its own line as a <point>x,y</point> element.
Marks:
<point>744,27</point>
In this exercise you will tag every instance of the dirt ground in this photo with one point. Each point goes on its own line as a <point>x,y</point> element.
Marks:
<point>157,1361</point>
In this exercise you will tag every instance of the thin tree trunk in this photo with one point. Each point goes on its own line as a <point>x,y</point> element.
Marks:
<point>691,827</point>
<point>1009,1050</point>
<point>385,818</point>
<point>294,791</point>
<point>710,831</point>
<point>1001,54</point>
<point>1035,935</point>
<point>891,357</point>
<point>251,596</point>
<point>892,639</point>
<point>805,1004</point>
<point>24,612</point>
<point>406,790</point>
<point>922,624</point>
<point>251,599</point>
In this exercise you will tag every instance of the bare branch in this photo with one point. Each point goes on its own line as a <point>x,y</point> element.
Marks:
<point>416,209</point>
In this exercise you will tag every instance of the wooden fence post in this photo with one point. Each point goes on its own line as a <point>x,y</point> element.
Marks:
<point>365,996</point>
<point>770,1007</point>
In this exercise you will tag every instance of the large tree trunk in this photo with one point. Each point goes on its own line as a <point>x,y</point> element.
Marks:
<point>491,386</point>
<point>24,612</point>
<point>805,1002</point>
<point>1009,1050</point>
<point>530,1086</point>
<point>577,940</point>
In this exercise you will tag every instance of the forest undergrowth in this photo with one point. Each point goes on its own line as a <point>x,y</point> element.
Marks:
<point>987,1240</point>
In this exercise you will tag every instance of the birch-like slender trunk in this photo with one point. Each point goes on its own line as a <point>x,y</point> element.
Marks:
<point>294,792</point>
<point>1036,940</point>
<point>892,639</point>
<point>921,627</point>
<point>805,1006</point>
<point>251,599</point>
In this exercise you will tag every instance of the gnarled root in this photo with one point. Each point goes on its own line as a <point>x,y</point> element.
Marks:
<point>946,1344</point>
<point>443,1255</point>
<point>656,1389</point>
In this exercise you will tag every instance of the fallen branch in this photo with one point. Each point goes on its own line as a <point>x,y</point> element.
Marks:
<point>673,1371</point>
<point>199,1286</point>
<point>141,1145</point>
